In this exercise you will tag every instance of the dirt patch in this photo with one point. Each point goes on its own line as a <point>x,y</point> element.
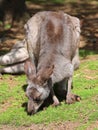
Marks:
<point>89,58</point>
<point>5,105</point>
<point>52,126</point>
<point>10,80</point>
<point>93,126</point>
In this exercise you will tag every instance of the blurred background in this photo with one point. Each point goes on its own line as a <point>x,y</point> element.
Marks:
<point>15,13</point>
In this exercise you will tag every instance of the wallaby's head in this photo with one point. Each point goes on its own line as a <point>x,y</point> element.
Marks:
<point>38,85</point>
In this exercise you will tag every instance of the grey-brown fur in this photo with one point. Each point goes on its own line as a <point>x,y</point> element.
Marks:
<point>52,42</point>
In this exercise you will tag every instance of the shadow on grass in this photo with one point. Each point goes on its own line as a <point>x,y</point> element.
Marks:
<point>24,87</point>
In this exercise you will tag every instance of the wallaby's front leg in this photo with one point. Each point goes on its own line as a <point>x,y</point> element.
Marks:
<point>55,99</point>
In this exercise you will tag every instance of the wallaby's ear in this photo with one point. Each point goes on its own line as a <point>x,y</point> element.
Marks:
<point>44,74</point>
<point>48,72</point>
<point>29,69</point>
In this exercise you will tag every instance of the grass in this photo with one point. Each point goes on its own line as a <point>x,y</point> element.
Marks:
<point>84,53</point>
<point>12,100</point>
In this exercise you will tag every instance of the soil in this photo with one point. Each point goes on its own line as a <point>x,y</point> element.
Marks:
<point>52,126</point>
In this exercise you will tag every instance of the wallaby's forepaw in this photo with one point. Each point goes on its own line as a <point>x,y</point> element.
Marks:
<point>55,104</point>
<point>56,101</point>
<point>71,98</point>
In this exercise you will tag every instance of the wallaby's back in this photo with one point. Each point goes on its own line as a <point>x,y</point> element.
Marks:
<point>52,36</point>
<point>55,46</point>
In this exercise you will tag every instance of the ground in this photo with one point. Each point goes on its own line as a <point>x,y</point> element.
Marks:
<point>88,14</point>
<point>53,126</point>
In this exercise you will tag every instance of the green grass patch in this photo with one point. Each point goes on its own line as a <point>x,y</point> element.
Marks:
<point>84,53</point>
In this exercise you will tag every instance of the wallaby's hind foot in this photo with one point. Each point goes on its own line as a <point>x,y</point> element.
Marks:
<point>71,98</point>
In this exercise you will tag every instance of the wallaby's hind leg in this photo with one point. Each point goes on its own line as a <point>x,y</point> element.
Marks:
<point>65,88</point>
<point>13,69</point>
<point>14,56</point>
<point>71,98</point>
<point>17,54</point>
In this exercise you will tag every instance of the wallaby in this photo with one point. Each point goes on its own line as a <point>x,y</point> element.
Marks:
<point>52,43</point>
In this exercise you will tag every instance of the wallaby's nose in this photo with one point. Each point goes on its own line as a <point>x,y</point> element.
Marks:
<point>31,113</point>
<point>30,107</point>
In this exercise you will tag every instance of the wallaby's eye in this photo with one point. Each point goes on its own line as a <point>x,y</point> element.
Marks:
<point>37,100</point>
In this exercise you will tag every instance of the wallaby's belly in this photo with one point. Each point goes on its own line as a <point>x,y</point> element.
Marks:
<point>62,69</point>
